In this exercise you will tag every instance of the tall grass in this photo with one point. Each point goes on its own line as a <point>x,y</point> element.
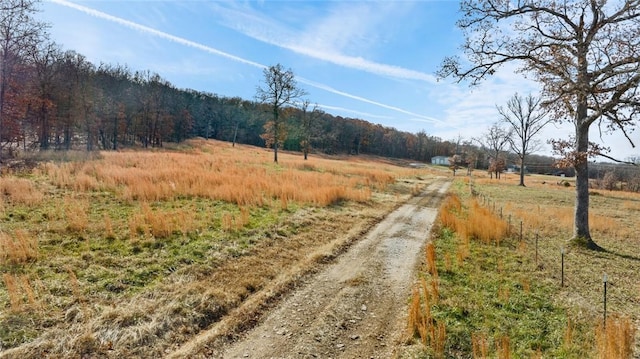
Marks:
<point>229,176</point>
<point>19,248</point>
<point>477,222</point>
<point>480,345</point>
<point>546,211</point>
<point>159,223</point>
<point>504,347</point>
<point>421,323</point>
<point>20,291</point>
<point>234,222</point>
<point>20,191</point>
<point>77,214</point>
<point>616,339</point>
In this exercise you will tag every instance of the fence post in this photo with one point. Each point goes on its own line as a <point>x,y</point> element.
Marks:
<point>604,281</point>
<point>562,267</point>
<point>520,230</point>
<point>536,249</point>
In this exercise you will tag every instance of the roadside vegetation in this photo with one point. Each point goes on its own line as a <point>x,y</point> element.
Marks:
<point>487,289</point>
<point>131,253</point>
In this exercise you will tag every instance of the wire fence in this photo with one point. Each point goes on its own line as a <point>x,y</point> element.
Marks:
<point>582,284</point>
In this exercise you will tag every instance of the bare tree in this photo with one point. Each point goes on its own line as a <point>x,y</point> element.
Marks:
<point>526,118</point>
<point>455,163</point>
<point>280,89</point>
<point>46,62</point>
<point>493,143</point>
<point>610,180</point>
<point>584,53</point>
<point>497,166</point>
<point>19,35</point>
<point>307,125</point>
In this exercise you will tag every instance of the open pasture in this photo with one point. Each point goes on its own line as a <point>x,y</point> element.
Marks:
<point>131,253</point>
<point>500,250</point>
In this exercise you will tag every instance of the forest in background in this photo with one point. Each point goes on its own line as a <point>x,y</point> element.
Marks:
<point>59,100</point>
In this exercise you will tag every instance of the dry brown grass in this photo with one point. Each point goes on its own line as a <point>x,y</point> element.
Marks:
<point>230,176</point>
<point>75,284</point>
<point>13,291</point>
<point>567,339</point>
<point>504,347</point>
<point>20,291</point>
<point>159,223</point>
<point>480,345</point>
<point>482,224</point>
<point>108,227</point>
<point>430,252</point>
<point>422,324</point>
<point>76,211</point>
<point>419,317</point>
<point>479,222</point>
<point>449,209</point>
<point>19,248</point>
<point>425,294</point>
<point>20,191</point>
<point>616,339</point>
<point>462,251</point>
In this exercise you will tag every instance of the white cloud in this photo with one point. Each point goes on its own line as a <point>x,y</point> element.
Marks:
<point>355,112</point>
<point>151,31</point>
<point>325,39</point>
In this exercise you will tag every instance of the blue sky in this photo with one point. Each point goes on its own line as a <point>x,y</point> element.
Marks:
<point>374,60</point>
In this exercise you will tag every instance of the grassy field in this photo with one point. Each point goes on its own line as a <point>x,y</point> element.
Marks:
<point>487,289</point>
<point>131,253</point>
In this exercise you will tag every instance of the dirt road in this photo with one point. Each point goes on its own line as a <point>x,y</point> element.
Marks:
<point>356,307</point>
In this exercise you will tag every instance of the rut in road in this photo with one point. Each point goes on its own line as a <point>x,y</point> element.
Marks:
<point>356,307</point>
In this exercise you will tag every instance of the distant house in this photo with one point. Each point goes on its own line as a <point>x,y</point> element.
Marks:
<point>440,160</point>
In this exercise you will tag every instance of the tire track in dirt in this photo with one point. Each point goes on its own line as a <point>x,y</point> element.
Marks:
<point>356,307</point>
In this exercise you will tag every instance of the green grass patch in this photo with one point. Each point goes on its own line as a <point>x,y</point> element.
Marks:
<point>491,294</point>
<point>492,298</point>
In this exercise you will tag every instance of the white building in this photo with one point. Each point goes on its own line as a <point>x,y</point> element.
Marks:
<point>440,160</point>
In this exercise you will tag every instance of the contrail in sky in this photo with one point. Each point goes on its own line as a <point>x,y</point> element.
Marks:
<point>362,99</point>
<point>164,35</point>
<point>183,41</point>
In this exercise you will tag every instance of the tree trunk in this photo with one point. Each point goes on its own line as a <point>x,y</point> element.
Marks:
<point>3,86</point>
<point>44,131</point>
<point>522,171</point>
<point>581,233</point>
<point>115,133</point>
<point>275,152</point>
<point>235,134</point>
<point>276,133</point>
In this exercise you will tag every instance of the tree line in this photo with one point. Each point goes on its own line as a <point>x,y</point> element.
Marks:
<point>51,98</point>
<point>55,99</point>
